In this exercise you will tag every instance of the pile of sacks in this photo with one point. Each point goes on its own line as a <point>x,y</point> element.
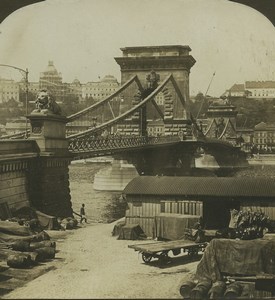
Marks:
<point>29,252</point>
<point>25,245</point>
<point>67,223</point>
<point>37,221</point>
<point>28,245</point>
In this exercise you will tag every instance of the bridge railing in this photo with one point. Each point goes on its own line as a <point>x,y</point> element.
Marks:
<point>111,143</point>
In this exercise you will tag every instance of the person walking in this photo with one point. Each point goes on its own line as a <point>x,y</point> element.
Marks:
<point>83,214</point>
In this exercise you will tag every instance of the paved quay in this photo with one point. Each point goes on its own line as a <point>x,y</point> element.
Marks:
<point>91,263</point>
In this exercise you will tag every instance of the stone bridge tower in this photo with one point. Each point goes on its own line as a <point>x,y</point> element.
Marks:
<point>163,60</point>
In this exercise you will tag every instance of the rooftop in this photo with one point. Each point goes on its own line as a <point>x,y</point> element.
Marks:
<point>265,126</point>
<point>237,88</point>
<point>202,186</point>
<point>259,84</point>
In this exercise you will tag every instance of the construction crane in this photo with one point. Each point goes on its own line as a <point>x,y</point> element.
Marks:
<point>205,94</point>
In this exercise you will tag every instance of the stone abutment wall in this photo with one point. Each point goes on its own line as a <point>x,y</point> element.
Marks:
<point>31,177</point>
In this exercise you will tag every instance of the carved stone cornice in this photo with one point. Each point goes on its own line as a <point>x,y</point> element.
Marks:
<point>156,63</point>
<point>14,166</point>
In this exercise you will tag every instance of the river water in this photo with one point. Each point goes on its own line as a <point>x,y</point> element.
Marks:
<point>97,203</point>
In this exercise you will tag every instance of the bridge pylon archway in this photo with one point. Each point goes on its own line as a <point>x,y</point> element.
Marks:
<point>153,64</point>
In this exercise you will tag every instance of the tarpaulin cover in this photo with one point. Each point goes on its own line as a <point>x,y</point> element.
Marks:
<point>117,228</point>
<point>236,257</point>
<point>46,221</point>
<point>11,231</point>
<point>131,232</point>
<point>14,228</point>
<point>173,226</point>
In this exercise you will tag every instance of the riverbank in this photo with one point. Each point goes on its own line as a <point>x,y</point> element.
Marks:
<point>91,263</point>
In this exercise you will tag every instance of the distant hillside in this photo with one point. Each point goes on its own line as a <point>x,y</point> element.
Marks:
<point>251,112</point>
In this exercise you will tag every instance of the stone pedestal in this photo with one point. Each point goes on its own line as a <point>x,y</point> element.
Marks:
<point>49,172</point>
<point>49,131</point>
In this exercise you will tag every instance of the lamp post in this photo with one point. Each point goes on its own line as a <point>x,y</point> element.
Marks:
<point>26,75</point>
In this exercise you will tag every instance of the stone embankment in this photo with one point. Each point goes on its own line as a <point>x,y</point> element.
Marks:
<point>91,263</point>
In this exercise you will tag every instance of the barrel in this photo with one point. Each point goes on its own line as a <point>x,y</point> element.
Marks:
<point>217,290</point>
<point>200,291</point>
<point>45,253</point>
<point>186,288</point>
<point>233,291</point>
<point>42,244</point>
<point>19,261</point>
<point>20,245</point>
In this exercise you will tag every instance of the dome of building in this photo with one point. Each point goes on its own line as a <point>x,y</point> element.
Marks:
<point>109,78</point>
<point>51,68</point>
<point>76,81</point>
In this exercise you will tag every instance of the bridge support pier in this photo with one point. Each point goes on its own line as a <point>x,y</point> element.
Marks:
<point>175,160</point>
<point>48,175</point>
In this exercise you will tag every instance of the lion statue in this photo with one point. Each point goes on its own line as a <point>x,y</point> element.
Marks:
<point>45,103</point>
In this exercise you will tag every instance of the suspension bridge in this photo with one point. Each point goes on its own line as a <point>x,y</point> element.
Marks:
<point>154,86</point>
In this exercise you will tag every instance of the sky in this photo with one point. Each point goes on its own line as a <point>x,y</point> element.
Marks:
<point>82,37</point>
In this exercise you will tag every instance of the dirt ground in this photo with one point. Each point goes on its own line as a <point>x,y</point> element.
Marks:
<point>91,263</point>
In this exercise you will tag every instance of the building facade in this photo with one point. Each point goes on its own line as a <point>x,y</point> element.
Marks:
<point>253,90</point>
<point>260,89</point>
<point>264,137</point>
<point>155,128</point>
<point>9,89</point>
<point>100,89</point>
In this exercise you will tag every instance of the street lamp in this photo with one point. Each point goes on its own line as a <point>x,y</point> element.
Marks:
<point>25,74</point>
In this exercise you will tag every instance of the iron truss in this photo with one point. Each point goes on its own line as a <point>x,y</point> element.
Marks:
<point>112,144</point>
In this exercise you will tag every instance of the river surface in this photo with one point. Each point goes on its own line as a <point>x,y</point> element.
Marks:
<point>96,203</point>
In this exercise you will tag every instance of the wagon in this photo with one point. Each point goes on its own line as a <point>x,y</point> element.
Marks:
<point>160,250</point>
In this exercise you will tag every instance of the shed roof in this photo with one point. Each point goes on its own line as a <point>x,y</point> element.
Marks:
<point>202,186</point>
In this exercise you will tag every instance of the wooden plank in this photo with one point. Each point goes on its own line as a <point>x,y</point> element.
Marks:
<point>165,246</point>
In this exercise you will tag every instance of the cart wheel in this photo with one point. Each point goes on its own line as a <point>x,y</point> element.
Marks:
<point>146,257</point>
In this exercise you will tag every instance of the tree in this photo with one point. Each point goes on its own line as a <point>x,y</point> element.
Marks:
<point>70,105</point>
<point>199,107</point>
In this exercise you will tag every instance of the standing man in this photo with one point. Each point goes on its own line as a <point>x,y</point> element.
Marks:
<point>82,214</point>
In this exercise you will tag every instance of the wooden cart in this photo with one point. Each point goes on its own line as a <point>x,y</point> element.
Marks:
<point>160,249</point>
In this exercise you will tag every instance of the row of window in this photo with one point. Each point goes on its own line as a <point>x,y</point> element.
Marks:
<point>15,93</point>
<point>265,134</point>
<point>91,89</point>
<point>97,95</point>
<point>263,141</point>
